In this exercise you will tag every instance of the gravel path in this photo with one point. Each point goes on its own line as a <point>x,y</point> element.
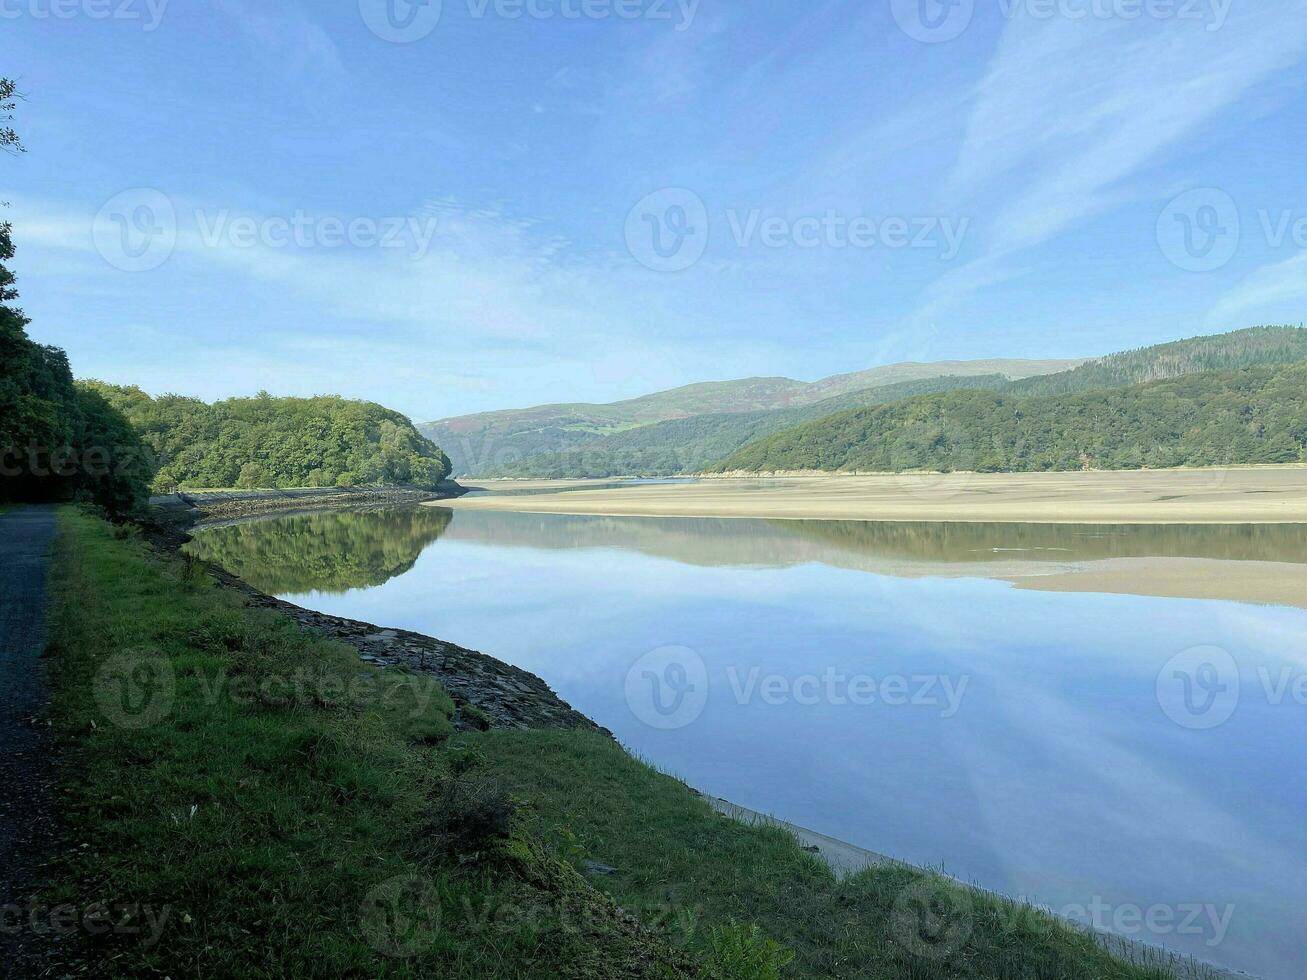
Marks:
<point>26,538</point>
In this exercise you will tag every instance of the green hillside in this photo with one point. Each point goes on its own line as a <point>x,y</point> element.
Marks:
<point>688,445</point>
<point>277,442</point>
<point>494,442</point>
<point>1218,352</point>
<point>1253,415</point>
<point>691,444</point>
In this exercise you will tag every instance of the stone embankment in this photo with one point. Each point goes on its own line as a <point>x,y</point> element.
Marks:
<point>500,695</point>
<point>226,504</point>
<point>487,692</point>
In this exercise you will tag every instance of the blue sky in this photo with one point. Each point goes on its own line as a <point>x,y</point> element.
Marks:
<point>477,204</point>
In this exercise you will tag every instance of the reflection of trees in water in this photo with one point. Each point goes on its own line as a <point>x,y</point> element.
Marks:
<point>924,541</point>
<point>753,542</point>
<point>327,552</point>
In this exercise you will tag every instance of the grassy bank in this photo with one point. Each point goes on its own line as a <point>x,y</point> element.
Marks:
<point>244,799</point>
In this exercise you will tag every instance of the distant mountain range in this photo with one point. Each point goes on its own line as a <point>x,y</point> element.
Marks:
<point>771,423</point>
<point>493,443</point>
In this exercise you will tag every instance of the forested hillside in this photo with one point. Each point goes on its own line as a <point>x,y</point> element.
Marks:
<point>1254,415</point>
<point>1219,352</point>
<point>691,444</point>
<point>688,445</point>
<point>58,440</point>
<point>491,442</point>
<point>277,442</point>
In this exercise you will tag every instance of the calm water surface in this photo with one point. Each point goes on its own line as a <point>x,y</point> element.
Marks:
<point>867,681</point>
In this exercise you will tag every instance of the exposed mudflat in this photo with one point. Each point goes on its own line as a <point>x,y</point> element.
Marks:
<point>1199,496</point>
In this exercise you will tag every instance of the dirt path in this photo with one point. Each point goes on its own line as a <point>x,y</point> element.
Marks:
<point>26,540</point>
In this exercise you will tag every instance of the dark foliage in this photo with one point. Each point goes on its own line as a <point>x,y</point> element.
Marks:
<point>1254,415</point>
<point>58,440</point>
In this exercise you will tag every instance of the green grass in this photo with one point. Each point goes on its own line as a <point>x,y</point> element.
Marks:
<point>274,808</point>
<point>287,835</point>
<point>678,861</point>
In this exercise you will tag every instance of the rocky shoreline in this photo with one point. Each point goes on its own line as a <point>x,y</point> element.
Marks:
<point>487,693</point>
<point>217,505</point>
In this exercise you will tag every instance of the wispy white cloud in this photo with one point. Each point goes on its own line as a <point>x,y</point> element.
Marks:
<point>1282,282</point>
<point>1070,110</point>
<point>285,36</point>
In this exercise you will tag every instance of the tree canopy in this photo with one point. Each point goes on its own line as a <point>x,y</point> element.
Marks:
<point>277,442</point>
<point>1253,415</point>
<point>58,441</point>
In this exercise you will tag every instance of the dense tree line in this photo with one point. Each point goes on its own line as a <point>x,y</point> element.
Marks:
<point>58,440</point>
<point>1220,352</point>
<point>1253,415</point>
<point>277,442</point>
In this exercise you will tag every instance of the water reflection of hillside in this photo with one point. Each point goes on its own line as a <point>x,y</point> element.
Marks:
<point>1075,542</point>
<point>324,552</point>
<point>875,545</point>
<point>334,552</point>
